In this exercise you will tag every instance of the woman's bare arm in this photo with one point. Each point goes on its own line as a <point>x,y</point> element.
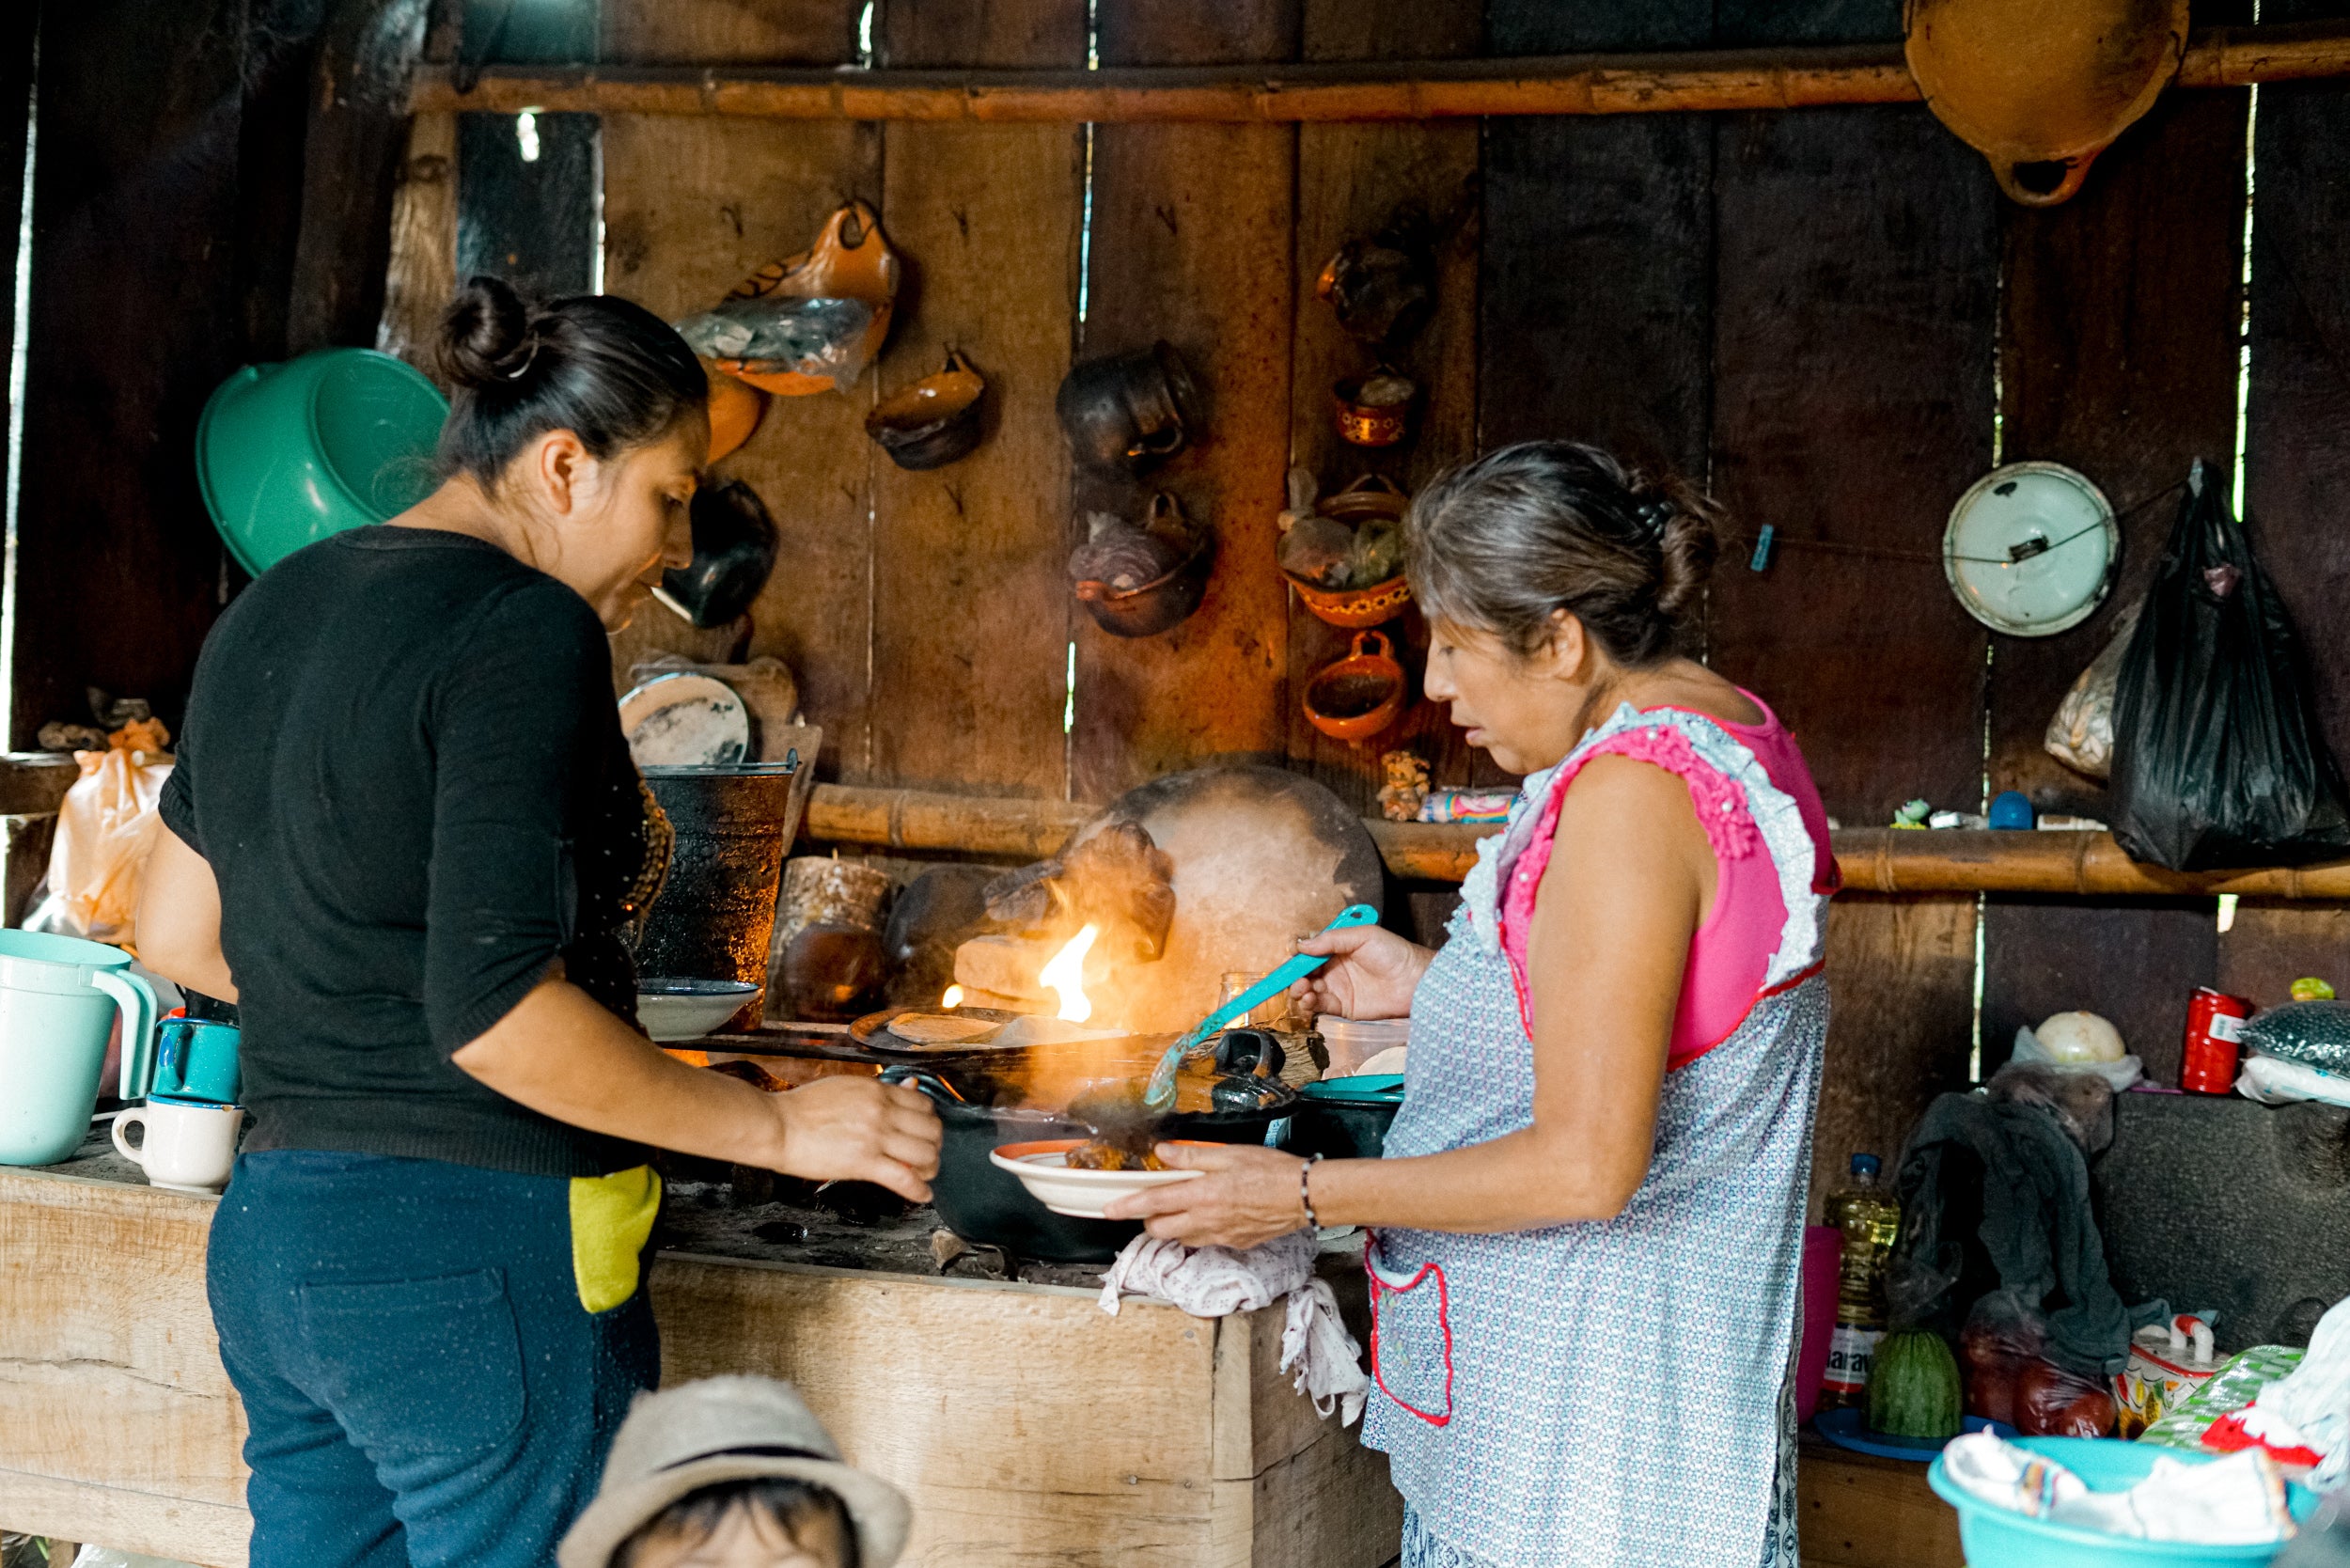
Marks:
<point>178,926</point>
<point>1627,888</point>
<point>560,1053</point>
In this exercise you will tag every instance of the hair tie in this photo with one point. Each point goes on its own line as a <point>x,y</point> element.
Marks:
<point>529,357</point>
<point>1652,516</point>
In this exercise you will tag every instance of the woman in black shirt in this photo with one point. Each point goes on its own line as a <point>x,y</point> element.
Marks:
<point>406,839</point>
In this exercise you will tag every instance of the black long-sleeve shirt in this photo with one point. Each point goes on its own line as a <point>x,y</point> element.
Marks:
<point>403,760</point>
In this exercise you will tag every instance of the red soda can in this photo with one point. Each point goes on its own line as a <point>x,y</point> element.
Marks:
<point>2215,1025</point>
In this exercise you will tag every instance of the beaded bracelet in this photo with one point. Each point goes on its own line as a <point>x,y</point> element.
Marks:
<point>1305,1192</point>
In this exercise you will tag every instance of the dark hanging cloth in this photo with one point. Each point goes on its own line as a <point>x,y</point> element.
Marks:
<point>2035,1230</point>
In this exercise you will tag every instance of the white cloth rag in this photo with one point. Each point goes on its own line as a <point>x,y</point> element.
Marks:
<point>2313,1400</point>
<point>2239,1500</point>
<point>1216,1281</point>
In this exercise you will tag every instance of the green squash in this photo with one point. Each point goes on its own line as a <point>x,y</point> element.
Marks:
<point>1914,1386</point>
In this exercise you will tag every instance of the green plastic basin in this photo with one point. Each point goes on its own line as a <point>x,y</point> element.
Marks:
<point>288,454</point>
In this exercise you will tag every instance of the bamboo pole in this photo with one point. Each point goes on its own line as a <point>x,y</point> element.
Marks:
<point>1873,860</point>
<point>1436,89</point>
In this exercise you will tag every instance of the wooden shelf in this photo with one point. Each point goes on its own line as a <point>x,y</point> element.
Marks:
<point>1873,860</point>
<point>1433,90</point>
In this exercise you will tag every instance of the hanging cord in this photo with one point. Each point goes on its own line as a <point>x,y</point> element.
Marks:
<point>1936,557</point>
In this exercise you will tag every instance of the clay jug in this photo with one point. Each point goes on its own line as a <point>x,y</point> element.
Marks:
<point>2040,89</point>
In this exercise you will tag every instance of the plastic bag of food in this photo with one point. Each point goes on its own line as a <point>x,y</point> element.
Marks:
<point>2054,1401</point>
<point>2217,758</point>
<point>105,827</point>
<point>2055,1045</point>
<point>2002,1337</point>
<point>2274,1081</point>
<point>2081,734</point>
<point>2315,1034</point>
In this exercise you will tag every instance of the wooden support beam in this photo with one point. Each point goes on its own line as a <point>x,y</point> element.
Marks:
<point>1430,90</point>
<point>1873,860</point>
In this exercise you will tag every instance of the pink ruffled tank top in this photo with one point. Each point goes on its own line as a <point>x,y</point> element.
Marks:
<point>1730,955</point>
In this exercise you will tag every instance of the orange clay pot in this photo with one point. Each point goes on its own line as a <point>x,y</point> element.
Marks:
<point>1360,695</point>
<point>2040,88</point>
<point>850,261</point>
<point>735,409</point>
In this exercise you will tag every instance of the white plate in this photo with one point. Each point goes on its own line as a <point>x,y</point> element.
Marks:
<point>2030,549</point>
<point>1083,1194</point>
<point>685,719</point>
<point>673,1009</point>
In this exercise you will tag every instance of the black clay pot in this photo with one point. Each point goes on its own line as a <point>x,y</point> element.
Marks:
<point>1341,1129</point>
<point>1125,413</point>
<point>734,550</point>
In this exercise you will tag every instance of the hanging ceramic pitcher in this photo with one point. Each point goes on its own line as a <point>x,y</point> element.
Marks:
<point>59,998</point>
<point>2040,89</point>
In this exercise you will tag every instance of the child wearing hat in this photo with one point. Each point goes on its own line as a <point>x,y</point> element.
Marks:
<point>733,1473</point>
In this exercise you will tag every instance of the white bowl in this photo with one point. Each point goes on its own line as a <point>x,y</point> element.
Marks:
<point>1083,1194</point>
<point>674,1009</point>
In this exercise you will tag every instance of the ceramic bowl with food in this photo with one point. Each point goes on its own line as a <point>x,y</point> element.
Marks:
<point>674,1009</point>
<point>1042,1168</point>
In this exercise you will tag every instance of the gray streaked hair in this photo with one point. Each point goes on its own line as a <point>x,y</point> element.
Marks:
<point>1503,541</point>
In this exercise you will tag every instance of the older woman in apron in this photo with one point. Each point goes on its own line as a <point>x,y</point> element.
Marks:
<point>1586,1232</point>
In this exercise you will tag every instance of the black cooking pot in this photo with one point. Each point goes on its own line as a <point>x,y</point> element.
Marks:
<point>982,1202</point>
<point>734,549</point>
<point>1343,1124</point>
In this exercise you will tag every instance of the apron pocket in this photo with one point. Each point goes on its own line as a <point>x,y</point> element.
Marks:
<point>1411,1335</point>
<point>418,1368</point>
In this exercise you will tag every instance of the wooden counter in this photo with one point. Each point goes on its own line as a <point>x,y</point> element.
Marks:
<point>1026,1424</point>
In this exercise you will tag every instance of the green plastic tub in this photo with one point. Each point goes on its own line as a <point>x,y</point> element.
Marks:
<point>286,454</point>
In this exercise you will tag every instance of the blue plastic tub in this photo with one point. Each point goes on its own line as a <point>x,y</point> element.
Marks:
<point>1996,1537</point>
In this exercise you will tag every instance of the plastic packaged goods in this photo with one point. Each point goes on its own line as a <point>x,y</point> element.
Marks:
<point>1870,1218</point>
<point>2235,1385</point>
<point>2314,1033</point>
<point>2080,735</point>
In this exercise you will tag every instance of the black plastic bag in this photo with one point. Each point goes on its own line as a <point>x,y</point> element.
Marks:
<point>2217,760</point>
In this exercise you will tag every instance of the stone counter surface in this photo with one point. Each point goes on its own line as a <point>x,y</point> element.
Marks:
<point>1026,1423</point>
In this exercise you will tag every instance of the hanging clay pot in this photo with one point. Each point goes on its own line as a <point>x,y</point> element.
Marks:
<point>2041,88</point>
<point>1138,581</point>
<point>812,323</point>
<point>1360,695</point>
<point>1126,412</point>
<point>735,409</point>
<point>932,422</point>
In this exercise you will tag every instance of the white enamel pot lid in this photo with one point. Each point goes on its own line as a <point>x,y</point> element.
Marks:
<point>2030,549</point>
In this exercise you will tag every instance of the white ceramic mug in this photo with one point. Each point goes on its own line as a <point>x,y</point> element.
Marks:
<point>189,1146</point>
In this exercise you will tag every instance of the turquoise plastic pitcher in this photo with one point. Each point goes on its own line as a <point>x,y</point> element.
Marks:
<point>59,997</point>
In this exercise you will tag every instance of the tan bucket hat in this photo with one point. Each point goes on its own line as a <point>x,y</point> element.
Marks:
<point>697,1435</point>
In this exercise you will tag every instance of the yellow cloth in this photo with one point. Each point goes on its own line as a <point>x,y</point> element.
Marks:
<point>611,1220</point>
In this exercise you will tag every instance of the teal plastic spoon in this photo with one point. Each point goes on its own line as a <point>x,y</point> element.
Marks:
<point>1160,1092</point>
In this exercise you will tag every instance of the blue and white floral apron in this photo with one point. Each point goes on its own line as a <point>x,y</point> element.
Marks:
<point>1617,1392</point>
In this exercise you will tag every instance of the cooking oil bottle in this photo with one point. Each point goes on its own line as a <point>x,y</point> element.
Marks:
<point>1870,1218</point>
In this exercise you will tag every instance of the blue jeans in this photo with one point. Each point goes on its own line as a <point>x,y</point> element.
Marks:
<point>421,1383</point>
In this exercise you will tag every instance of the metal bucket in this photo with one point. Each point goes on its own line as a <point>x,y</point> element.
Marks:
<point>714,915</point>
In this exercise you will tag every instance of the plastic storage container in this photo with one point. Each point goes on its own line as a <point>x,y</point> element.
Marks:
<point>1996,1537</point>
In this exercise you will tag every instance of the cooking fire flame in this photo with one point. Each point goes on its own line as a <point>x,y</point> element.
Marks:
<point>1065,975</point>
<point>951,998</point>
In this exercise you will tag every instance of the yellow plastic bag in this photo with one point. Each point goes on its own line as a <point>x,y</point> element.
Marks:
<point>106,826</point>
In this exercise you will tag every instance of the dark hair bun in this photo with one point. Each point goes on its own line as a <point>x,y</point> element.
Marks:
<point>1688,540</point>
<point>487,338</point>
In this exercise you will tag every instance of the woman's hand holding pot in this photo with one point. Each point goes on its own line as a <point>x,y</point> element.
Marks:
<point>855,1129</point>
<point>1248,1196</point>
<point>1371,974</point>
